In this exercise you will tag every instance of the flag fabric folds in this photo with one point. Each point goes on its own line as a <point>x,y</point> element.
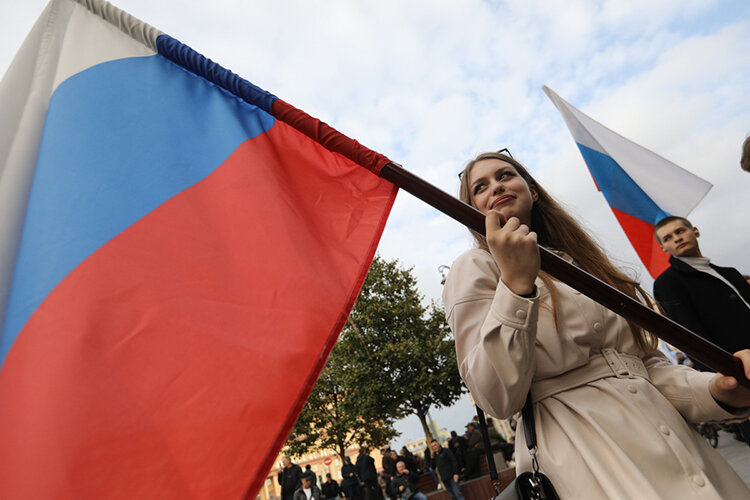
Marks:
<point>640,186</point>
<point>176,263</point>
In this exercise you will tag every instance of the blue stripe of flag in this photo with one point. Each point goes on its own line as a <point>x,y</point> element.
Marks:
<point>619,189</point>
<point>107,159</point>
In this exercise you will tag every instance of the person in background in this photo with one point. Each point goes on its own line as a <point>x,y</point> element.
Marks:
<point>457,445</point>
<point>307,490</point>
<point>289,478</point>
<point>711,301</point>
<point>368,475</point>
<point>474,450</point>
<point>446,468</point>
<point>498,442</point>
<point>410,461</point>
<point>350,481</point>
<point>330,489</point>
<point>389,467</point>
<point>308,468</point>
<point>611,412</point>
<point>745,158</point>
<point>405,483</point>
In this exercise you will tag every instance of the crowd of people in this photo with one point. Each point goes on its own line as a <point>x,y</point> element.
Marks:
<point>398,477</point>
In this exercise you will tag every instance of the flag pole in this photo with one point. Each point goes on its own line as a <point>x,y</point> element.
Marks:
<point>610,297</point>
<point>694,346</point>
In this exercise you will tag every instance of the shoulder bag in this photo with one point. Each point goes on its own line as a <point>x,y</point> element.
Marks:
<point>532,485</point>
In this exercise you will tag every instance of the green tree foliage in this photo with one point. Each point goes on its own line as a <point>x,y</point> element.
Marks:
<point>338,415</point>
<point>395,358</point>
<point>410,362</point>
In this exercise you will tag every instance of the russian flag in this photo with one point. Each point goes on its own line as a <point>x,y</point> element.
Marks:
<point>640,186</point>
<point>176,263</point>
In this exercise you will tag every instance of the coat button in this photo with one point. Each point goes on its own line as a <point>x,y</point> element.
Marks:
<point>521,314</point>
<point>699,480</point>
<point>664,430</point>
<point>632,389</point>
<point>597,327</point>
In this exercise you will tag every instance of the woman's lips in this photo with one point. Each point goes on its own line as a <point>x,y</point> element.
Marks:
<point>501,200</point>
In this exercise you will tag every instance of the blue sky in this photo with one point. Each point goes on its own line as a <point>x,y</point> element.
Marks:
<point>432,83</point>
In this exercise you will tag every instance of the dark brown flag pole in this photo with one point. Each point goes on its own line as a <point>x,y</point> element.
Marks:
<point>691,344</point>
<point>608,296</point>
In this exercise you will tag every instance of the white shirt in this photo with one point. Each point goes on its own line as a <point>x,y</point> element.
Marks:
<point>307,492</point>
<point>702,264</point>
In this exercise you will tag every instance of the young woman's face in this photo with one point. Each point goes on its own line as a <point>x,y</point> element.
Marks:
<point>495,185</point>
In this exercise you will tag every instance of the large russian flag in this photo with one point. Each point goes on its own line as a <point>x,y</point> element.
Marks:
<point>640,186</point>
<point>176,263</point>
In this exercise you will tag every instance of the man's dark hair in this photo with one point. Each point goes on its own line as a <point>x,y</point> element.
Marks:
<point>667,220</point>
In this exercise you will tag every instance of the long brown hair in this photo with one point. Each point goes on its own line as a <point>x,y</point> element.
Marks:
<point>558,230</point>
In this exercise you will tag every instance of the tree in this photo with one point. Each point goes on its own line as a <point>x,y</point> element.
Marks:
<point>395,358</point>
<point>338,414</point>
<point>410,360</point>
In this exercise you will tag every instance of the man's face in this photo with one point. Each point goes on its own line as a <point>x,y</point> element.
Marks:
<point>678,239</point>
<point>435,446</point>
<point>394,454</point>
<point>400,467</point>
<point>286,461</point>
<point>306,483</point>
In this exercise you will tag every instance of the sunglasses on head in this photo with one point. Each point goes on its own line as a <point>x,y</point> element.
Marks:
<point>503,151</point>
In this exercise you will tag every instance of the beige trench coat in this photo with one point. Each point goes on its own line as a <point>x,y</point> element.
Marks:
<point>624,437</point>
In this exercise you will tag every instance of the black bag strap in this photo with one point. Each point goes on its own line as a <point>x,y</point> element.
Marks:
<point>529,426</point>
<point>529,431</point>
<point>487,447</point>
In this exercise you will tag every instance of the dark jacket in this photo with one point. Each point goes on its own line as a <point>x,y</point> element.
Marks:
<point>445,463</point>
<point>706,305</point>
<point>408,481</point>
<point>330,489</point>
<point>366,468</point>
<point>458,444</point>
<point>289,479</point>
<point>389,465</point>
<point>474,439</point>
<point>300,495</point>
<point>348,480</point>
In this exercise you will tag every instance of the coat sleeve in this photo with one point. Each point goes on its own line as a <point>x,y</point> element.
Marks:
<point>495,332</point>
<point>687,390</point>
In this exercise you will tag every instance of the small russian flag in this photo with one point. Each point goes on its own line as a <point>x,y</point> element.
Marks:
<point>640,186</point>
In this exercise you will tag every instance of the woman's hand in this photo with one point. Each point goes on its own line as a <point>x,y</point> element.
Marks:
<point>515,251</point>
<point>728,390</point>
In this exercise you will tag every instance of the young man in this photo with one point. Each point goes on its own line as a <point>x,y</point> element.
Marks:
<point>712,301</point>
<point>308,490</point>
<point>444,463</point>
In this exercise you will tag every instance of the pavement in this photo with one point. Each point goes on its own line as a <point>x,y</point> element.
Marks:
<point>736,453</point>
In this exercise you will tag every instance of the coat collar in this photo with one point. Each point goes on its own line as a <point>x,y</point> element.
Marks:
<point>682,266</point>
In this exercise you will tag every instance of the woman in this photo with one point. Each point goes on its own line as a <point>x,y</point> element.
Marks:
<point>610,410</point>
